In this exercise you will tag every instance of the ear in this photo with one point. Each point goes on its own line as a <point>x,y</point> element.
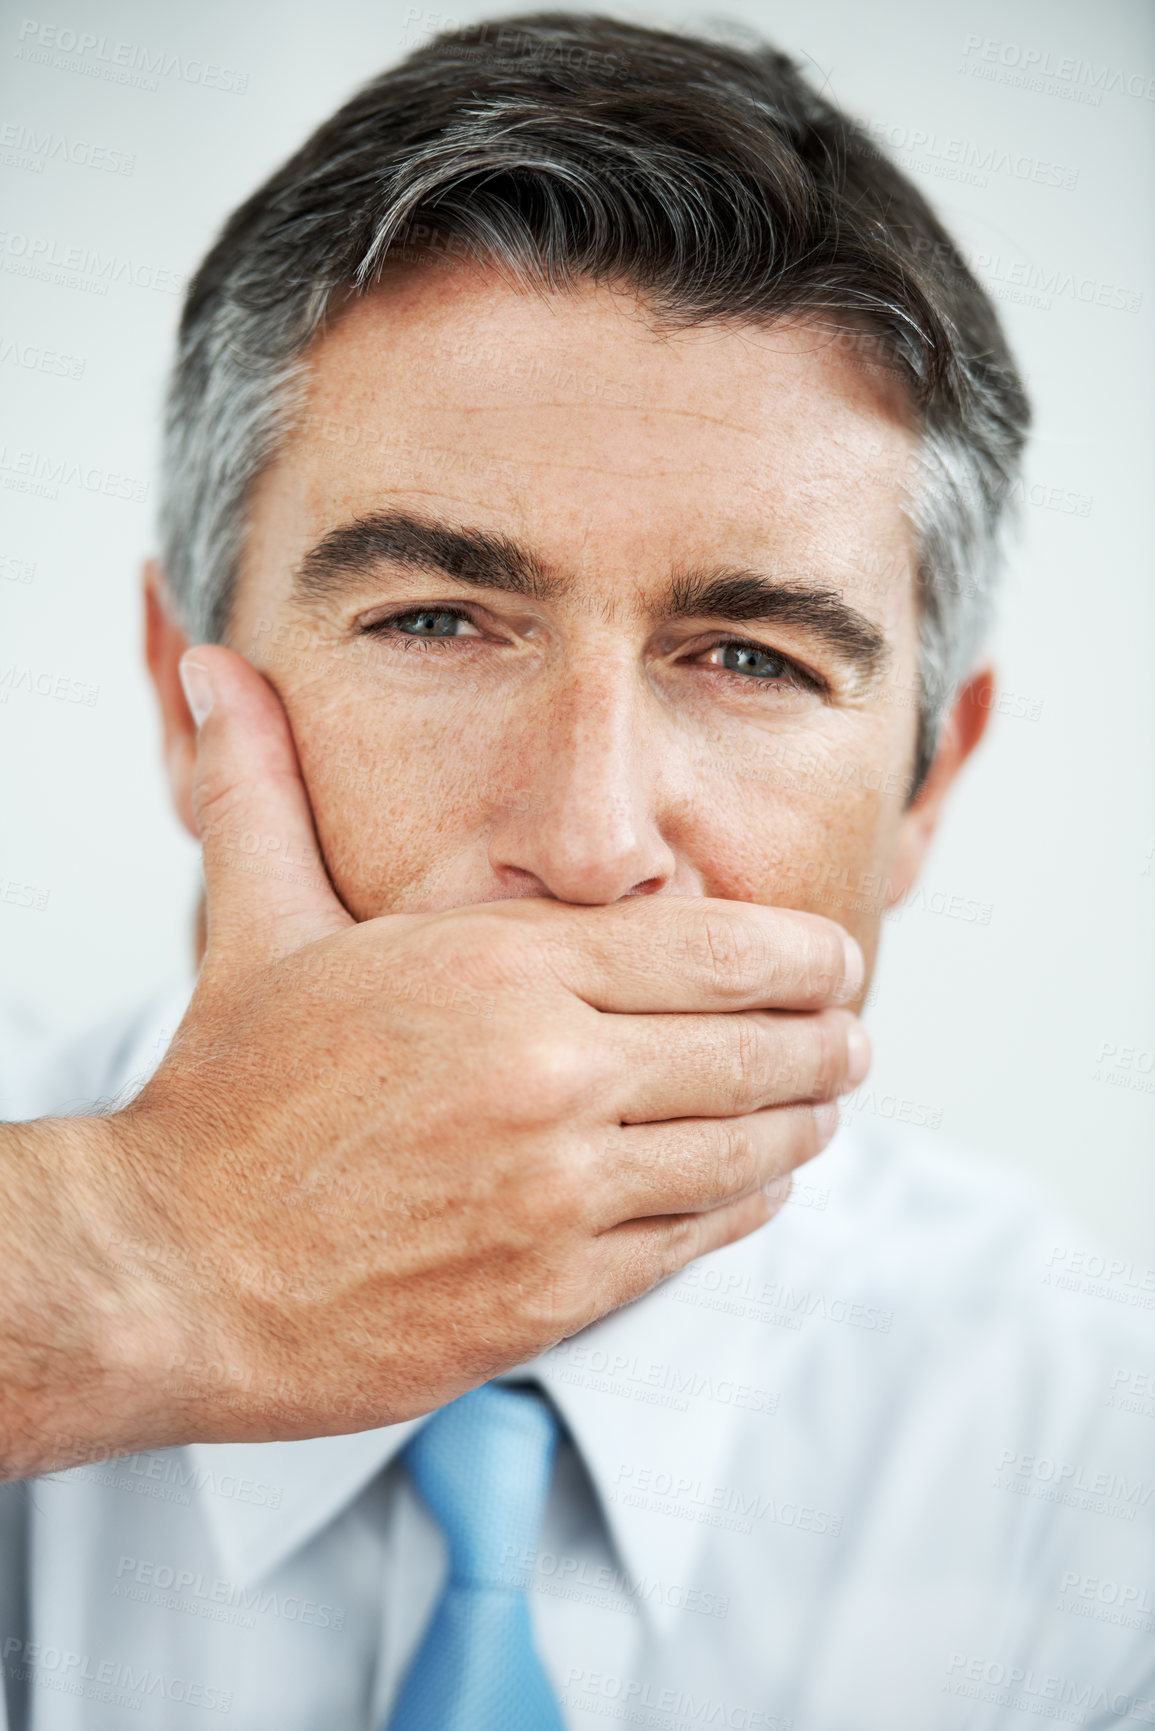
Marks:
<point>961,732</point>
<point>165,641</point>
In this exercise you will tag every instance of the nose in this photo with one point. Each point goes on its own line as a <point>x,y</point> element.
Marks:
<point>585,826</point>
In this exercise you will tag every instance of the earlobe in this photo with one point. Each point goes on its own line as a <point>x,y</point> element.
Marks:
<point>165,641</point>
<point>961,732</point>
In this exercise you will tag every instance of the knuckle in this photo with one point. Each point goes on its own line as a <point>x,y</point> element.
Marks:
<point>558,1304</point>
<point>830,1060</point>
<point>681,1244</point>
<point>725,947</point>
<point>552,1074</point>
<point>737,1160</point>
<point>623,1276</point>
<point>557,1200</point>
<point>825,963</point>
<point>749,1059</point>
<point>216,800</point>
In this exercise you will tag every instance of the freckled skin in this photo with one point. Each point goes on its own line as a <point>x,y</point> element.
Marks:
<point>577,749</point>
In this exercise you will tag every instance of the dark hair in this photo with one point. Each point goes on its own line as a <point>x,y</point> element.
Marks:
<point>706,174</point>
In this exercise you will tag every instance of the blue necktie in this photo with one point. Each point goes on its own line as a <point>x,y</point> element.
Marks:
<point>483,1465</point>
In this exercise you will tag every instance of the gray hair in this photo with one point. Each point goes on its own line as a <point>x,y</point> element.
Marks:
<point>707,174</point>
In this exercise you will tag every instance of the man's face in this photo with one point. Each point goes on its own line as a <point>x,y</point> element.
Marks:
<point>561,605</point>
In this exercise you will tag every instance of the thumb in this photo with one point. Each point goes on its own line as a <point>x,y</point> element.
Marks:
<point>266,887</point>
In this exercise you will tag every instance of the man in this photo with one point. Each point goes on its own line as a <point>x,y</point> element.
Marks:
<point>578,454</point>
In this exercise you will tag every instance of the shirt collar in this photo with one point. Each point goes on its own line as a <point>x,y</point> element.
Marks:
<point>652,1395</point>
<point>625,1391</point>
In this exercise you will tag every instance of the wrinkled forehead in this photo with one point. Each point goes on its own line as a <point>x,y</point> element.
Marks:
<point>580,421</point>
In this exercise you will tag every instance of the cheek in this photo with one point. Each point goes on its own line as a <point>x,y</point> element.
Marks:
<point>396,797</point>
<point>842,867</point>
<point>797,837</point>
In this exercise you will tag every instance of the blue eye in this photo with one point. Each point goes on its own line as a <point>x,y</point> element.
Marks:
<point>426,622</point>
<point>758,663</point>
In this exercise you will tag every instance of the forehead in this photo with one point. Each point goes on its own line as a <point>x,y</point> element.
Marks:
<point>575,419</point>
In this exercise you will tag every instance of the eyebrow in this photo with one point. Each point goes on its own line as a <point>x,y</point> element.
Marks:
<point>752,597</point>
<point>489,560</point>
<point>477,556</point>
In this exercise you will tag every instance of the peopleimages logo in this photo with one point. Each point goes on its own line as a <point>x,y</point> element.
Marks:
<point>929,152</point>
<point>733,1507</point>
<point>39,473</point>
<point>642,1702</point>
<point>1071,1482</point>
<point>1039,68</point>
<point>653,1381</point>
<point>130,63</point>
<point>81,267</point>
<point>43,682</point>
<point>34,359</point>
<point>1124,1603</point>
<point>169,1476</point>
<point>212,1597</point>
<point>24,147</point>
<point>999,1683</point>
<point>1093,1273</point>
<point>113,1681</point>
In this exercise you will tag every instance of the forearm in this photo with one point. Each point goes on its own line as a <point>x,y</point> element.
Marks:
<point>81,1341</point>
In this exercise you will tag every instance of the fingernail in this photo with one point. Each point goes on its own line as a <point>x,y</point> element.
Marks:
<point>198,689</point>
<point>858,1054</point>
<point>855,968</point>
<point>826,1117</point>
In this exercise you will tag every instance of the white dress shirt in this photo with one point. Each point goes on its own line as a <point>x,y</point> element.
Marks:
<point>886,1465</point>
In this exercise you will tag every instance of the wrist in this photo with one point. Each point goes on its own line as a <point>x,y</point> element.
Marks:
<point>85,1338</point>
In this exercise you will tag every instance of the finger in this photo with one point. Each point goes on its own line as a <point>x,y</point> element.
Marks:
<point>727,1065</point>
<point>697,1164</point>
<point>686,953</point>
<point>266,887</point>
<point>638,1254</point>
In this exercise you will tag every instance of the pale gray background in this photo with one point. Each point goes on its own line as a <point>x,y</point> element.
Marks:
<point>998,1027</point>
